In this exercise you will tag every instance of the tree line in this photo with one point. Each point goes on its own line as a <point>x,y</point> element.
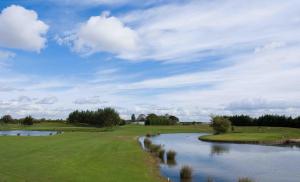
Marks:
<point>153,119</point>
<point>265,120</point>
<point>106,117</point>
<point>28,120</point>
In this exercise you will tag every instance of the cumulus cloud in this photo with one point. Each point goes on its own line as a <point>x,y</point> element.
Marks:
<point>47,100</point>
<point>102,34</point>
<point>193,29</point>
<point>20,28</point>
<point>89,101</point>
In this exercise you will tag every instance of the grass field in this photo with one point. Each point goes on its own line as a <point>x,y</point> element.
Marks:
<point>256,135</point>
<point>86,154</point>
<point>99,154</point>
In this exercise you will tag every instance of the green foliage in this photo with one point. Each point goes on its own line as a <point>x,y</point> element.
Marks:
<point>186,172</point>
<point>6,119</point>
<point>27,120</point>
<point>265,120</point>
<point>106,117</point>
<point>220,124</point>
<point>153,119</point>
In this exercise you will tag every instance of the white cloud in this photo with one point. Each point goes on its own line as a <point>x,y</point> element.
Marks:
<point>102,34</point>
<point>90,100</point>
<point>21,29</point>
<point>188,31</point>
<point>47,100</point>
<point>6,55</point>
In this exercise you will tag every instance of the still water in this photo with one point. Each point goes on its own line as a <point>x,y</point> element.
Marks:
<point>27,133</point>
<point>225,162</point>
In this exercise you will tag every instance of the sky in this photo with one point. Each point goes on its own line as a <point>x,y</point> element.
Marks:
<point>189,58</point>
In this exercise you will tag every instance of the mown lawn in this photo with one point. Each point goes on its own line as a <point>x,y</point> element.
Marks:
<point>82,154</point>
<point>256,134</point>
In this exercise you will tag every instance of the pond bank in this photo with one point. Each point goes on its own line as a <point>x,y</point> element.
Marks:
<point>210,138</point>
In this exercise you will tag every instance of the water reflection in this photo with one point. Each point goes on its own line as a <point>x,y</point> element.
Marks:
<point>28,133</point>
<point>219,149</point>
<point>171,163</point>
<point>229,161</point>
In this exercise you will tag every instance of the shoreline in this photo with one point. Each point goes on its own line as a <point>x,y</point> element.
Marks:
<point>257,142</point>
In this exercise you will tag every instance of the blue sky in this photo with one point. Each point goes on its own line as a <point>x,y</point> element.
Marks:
<point>189,58</point>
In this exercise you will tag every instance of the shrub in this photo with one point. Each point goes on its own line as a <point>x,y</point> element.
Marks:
<point>186,172</point>
<point>171,155</point>
<point>161,154</point>
<point>220,124</point>
<point>154,148</point>
<point>245,180</point>
<point>27,121</point>
<point>147,143</point>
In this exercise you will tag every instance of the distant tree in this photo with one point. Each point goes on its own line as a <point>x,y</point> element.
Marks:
<point>153,119</point>
<point>110,117</point>
<point>220,124</point>
<point>28,120</point>
<point>174,119</point>
<point>106,117</point>
<point>6,119</point>
<point>132,118</point>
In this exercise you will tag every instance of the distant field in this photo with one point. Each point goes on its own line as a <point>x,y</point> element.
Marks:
<point>256,134</point>
<point>86,154</point>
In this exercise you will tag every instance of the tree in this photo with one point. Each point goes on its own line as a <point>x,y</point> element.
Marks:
<point>174,119</point>
<point>132,118</point>
<point>106,117</point>
<point>27,120</point>
<point>7,119</point>
<point>220,124</point>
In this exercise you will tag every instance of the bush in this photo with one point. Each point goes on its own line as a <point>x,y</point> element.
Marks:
<point>245,180</point>
<point>6,119</point>
<point>171,154</point>
<point>147,143</point>
<point>28,120</point>
<point>186,172</point>
<point>220,124</point>
<point>154,148</point>
<point>161,154</point>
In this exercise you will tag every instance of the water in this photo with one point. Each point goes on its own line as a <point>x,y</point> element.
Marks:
<point>27,133</point>
<point>225,162</point>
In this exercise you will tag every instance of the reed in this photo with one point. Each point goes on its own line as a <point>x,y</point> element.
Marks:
<point>186,172</point>
<point>171,154</point>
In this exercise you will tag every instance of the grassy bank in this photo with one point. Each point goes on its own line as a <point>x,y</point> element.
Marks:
<point>81,154</point>
<point>267,135</point>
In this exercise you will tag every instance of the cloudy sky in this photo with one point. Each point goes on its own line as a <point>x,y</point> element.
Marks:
<point>190,58</point>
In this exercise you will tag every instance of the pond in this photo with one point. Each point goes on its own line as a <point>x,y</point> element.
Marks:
<point>225,162</point>
<point>27,133</point>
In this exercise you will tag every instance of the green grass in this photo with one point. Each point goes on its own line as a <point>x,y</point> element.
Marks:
<point>256,134</point>
<point>85,154</point>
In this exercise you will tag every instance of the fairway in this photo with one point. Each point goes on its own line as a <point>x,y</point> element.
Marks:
<point>97,155</point>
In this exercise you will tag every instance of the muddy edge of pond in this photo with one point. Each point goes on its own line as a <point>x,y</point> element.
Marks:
<point>277,142</point>
<point>155,161</point>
